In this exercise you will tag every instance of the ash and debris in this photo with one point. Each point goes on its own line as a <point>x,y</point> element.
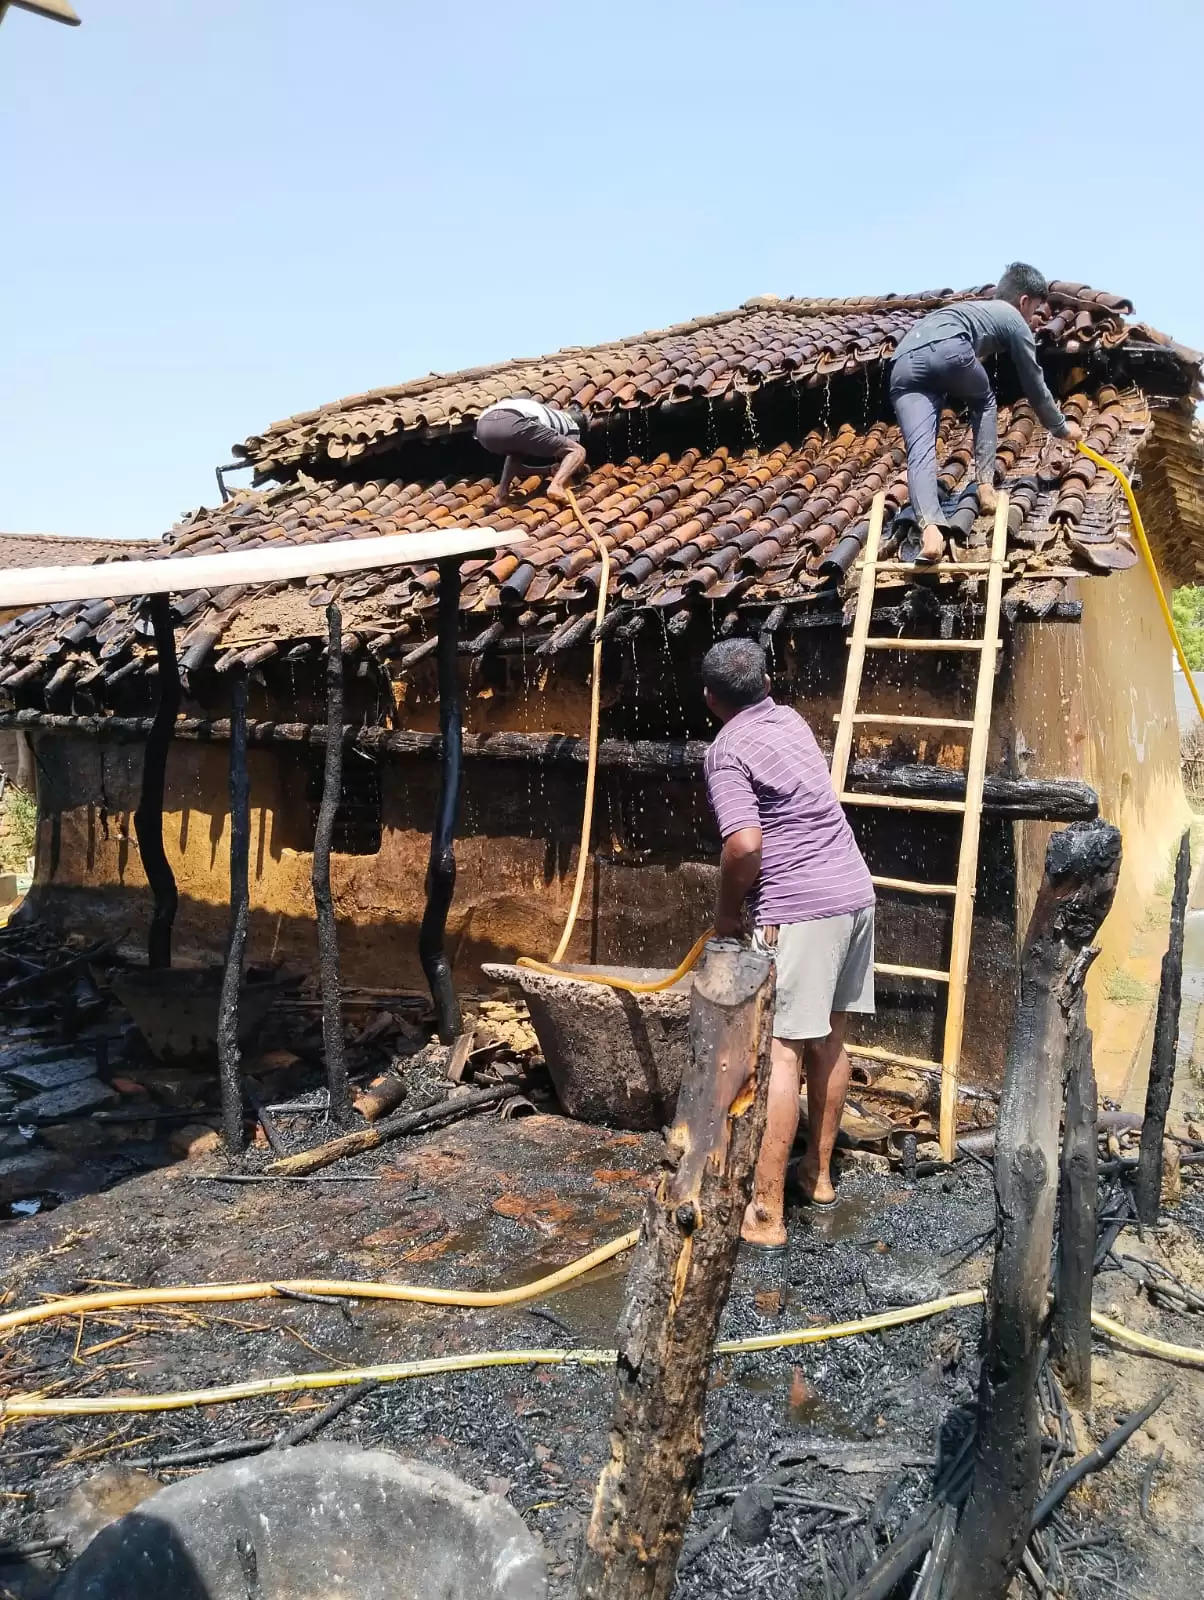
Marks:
<point>816,1455</point>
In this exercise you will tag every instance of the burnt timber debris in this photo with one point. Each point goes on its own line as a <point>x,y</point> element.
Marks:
<point>678,1284</point>
<point>148,818</point>
<point>441,873</point>
<point>1081,868</point>
<point>330,980</point>
<point>229,999</point>
<point>1147,1186</point>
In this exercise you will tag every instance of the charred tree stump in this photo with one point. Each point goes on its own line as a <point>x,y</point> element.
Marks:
<point>1081,867</point>
<point>148,819</point>
<point>1070,1334</point>
<point>679,1283</point>
<point>329,978</point>
<point>1147,1186</point>
<point>228,1053</point>
<point>441,874</point>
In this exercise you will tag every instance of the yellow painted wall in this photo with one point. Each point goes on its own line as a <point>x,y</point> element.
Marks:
<point>1097,702</point>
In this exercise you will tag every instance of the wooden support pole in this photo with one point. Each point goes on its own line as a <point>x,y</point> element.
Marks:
<point>441,874</point>
<point>329,979</point>
<point>228,1054</point>
<point>1147,1186</point>
<point>679,1283</point>
<point>1081,867</point>
<point>1070,1332</point>
<point>148,819</point>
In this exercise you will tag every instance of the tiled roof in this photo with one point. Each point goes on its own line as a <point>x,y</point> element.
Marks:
<point>60,550</point>
<point>765,341</point>
<point>759,528</point>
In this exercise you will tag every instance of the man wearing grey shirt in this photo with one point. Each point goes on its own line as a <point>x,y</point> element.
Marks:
<point>941,358</point>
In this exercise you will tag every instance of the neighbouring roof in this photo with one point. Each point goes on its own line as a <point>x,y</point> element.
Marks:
<point>61,550</point>
<point>766,519</point>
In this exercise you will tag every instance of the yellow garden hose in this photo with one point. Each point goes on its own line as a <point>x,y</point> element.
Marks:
<point>552,965</point>
<point>587,818</point>
<point>629,985</point>
<point>395,1371</point>
<point>436,1366</point>
<point>1147,555</point>
<point>217,1293</point>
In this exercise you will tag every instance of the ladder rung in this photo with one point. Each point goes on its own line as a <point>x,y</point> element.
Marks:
<point>933,974</point>
<point>872,1052</point>
<point>929,644</point>
<point>921,570</point>
<point>897,721</point>
<point>907,886</point>
<point>891,802</point>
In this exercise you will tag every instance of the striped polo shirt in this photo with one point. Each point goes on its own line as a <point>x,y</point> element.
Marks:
<point>766,771</point>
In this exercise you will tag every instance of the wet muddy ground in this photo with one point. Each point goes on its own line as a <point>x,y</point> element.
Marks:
<point>862,1424</point>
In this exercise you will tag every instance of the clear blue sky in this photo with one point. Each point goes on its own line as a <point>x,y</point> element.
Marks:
<point>218,212</point>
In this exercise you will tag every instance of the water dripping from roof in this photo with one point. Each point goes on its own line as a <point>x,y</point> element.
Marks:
<point>751,423</point>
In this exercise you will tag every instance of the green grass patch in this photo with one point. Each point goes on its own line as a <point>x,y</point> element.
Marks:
<point>1126,990</point>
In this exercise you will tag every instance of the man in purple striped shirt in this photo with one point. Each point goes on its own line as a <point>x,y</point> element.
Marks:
<point>789,855</point>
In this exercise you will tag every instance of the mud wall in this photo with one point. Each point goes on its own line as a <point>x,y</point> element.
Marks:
<point>650,888</point>
<point>1097,702</point>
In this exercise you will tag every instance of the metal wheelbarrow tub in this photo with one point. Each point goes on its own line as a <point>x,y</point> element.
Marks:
<point>613,1057</point>
<point>312,1523</point>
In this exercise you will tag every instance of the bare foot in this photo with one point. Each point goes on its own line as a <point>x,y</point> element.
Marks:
<point>759,1226</point>
<point>988,498</point>
<point>814,1187</point>
<point>932,544</point>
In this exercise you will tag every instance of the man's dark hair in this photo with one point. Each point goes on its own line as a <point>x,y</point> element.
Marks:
<point>577,415</point>
<point>734,671</point>
<point>1021,279</point>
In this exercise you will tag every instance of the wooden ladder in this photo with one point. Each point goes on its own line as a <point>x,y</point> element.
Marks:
<point>962,892</point>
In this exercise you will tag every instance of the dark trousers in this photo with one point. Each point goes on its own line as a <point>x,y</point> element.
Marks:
<point>920,382</point>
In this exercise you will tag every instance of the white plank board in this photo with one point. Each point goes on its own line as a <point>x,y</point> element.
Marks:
<point>113,580</point>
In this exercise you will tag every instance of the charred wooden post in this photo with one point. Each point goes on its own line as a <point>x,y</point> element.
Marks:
<point>441,874</point>
<point>1070,1333</point>
<point>228,1054</point>
<point>329,978</point>
<point>148,819</point>
<point>1147,1186</point>
<point>1081,867</point>
<point>679,1283</point>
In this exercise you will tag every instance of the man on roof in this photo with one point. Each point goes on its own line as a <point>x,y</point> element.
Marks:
<point>533,435</point>
<point>940,359</point>
<point>789,861</point>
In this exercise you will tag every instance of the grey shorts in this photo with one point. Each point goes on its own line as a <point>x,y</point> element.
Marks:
<point>822,966</point>
<point>512,433</point>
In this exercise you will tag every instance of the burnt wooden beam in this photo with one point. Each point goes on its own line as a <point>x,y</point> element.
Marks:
<point>1038,799</point>
<point>329,978</point>
<point>228,1054</point>
<point>679,1281</point>
<point>1081,868</point>
<point>441,873</point>
<point>1147,1185</point>
<point>1070,1331</point>
<point>148,818</point>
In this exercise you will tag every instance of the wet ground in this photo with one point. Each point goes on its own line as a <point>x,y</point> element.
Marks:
<point>859,1425</point>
